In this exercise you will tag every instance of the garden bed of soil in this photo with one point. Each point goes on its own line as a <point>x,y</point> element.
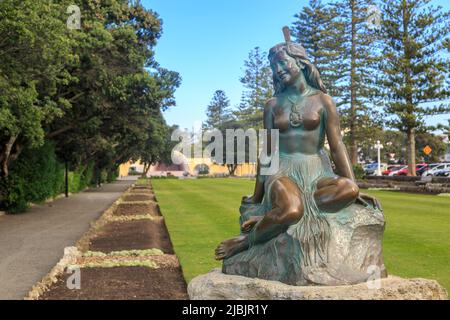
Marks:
<point>129,235</point>
<point>118,283</point>
<point>114,259</point>
<point>139,197</point>
<point>135,209</point>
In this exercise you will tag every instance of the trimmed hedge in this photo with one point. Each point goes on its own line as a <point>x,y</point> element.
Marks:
<point>34,177</point>
<point>38,175</point>
<point>81,178</point>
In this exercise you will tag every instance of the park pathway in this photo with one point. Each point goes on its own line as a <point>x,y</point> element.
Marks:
<point>31,243</point>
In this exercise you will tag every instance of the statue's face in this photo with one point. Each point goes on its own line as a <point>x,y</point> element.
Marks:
<point>285,68</point>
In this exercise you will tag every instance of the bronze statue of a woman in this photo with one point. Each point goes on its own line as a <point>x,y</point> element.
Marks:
<point>290,226</point>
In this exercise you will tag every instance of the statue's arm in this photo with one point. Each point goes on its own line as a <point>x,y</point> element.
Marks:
<point>268,122</point>
<point>258,192</point>
<point>339,151</point>
<point>337,147</point>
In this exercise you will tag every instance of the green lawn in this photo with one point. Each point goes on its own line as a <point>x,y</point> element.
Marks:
<point>200,213</point>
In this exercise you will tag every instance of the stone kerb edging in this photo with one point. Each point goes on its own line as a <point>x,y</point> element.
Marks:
<point>71,255</point>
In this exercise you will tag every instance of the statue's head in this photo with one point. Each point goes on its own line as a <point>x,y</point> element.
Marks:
<point>288,61</point>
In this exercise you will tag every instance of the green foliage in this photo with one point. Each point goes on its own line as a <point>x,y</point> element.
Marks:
<point>35,177</point>
<point>75,182</point>
<point>157,146</point>
<point>358,170</point>
<point>112,175</point>
<point>317,29</point>
<point>119,88</point>
<point>437,145</point>
<point>218,111</point>
<point>257,80</point>
<point>81,178</point>
<point>414,66</point>
<point>394,142</point>
<point>340,43</point>
<point>95,93</point>
<point>34,52</point>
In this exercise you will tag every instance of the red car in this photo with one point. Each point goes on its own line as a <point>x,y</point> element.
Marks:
<point>391,168</point>
<point>404,171</point>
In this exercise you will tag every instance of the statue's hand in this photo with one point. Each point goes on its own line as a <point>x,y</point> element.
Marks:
<point>368,201</point>
<point>250,223</point>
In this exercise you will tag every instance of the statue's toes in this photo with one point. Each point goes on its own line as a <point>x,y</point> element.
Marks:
<point>220,249</point>
<point>220,256</point>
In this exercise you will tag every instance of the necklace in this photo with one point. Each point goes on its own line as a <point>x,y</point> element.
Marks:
<point>296,117</point>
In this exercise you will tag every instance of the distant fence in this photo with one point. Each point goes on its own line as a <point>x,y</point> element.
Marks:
<point>428,185</point>
<point>408,179</point>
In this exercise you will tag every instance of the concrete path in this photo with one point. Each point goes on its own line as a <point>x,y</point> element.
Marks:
<point>31,243</point>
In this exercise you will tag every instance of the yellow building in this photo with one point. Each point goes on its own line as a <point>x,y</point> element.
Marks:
<point>192,166</point>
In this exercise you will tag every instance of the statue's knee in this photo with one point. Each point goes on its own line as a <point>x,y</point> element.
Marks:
<point>351,188</point>
<point>294,213</point>
<point>286,197</point>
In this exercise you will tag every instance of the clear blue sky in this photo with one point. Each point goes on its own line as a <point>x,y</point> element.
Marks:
<point>207,41</point>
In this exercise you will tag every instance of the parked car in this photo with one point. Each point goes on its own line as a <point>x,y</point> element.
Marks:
<point>442,173</point>
<point>433,168</point>
<point>392,168</point>
<point>371,168</point>
<point>404,171</point>
<point>421,168</point>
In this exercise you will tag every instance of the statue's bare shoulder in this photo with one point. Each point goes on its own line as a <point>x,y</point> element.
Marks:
<point>270,104</point>
<point>328,104</point>
<point>268,112</point>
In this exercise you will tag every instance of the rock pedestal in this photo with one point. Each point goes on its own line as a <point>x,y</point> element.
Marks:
<point>218,286</point>
<point>354,253</point>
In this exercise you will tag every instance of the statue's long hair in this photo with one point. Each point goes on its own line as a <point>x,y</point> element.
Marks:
<point>310,71</point>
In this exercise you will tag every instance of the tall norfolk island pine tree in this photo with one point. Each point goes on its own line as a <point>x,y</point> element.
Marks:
<point>413,73</point>
<point>257,81</point>
<point>219,117</point>
<point>340,42</point>
<point>218,111</point>
<point>317,29</point>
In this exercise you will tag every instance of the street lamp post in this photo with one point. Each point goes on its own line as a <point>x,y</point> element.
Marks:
<point>379,146</point>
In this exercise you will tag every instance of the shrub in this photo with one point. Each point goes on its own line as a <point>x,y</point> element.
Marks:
<point>81,178</point>
<point>34,177</point>
<point>358,170</point>
<point>112,175</point>
<point>37,176</point>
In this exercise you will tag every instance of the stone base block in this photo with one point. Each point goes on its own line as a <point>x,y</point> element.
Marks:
<point>218,286</point>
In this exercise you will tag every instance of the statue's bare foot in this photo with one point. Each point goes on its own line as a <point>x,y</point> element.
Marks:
<point>230,247</point>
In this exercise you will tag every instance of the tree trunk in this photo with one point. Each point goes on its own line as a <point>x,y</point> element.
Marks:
<point>411,153</point>
<point>231,169</point>
<point>146,168</point>
<point>5,157</point>
<point>353,142</point>
<point>411,148</point>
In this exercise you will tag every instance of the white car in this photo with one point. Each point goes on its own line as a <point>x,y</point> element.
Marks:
<point>439,167</point>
